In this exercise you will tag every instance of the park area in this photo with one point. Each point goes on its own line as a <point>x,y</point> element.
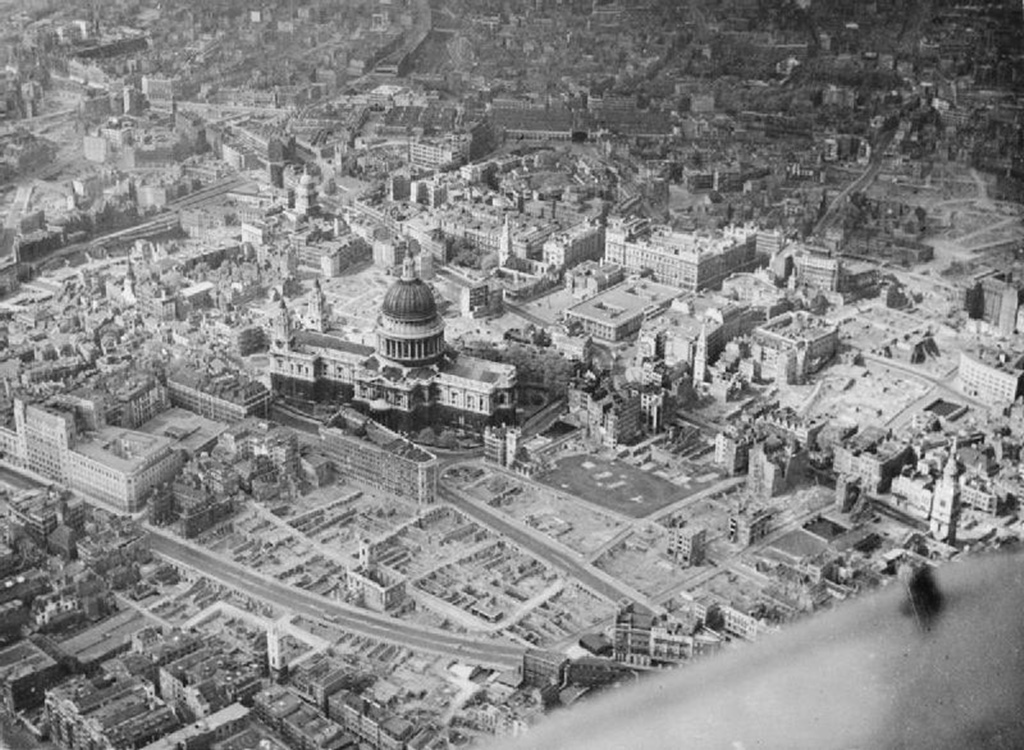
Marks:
<point>618,486</point>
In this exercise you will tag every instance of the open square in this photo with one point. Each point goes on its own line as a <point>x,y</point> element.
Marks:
<point>618,486</point>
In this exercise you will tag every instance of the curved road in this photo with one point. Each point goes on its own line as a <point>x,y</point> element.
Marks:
<point>301,602</point>
<point>364,622</point>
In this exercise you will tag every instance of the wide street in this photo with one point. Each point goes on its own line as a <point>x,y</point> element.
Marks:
<point>18,481</point>
<point>301,602</point>
<point>567,561</point>
<point>866,178</point>
<point>364,622</point>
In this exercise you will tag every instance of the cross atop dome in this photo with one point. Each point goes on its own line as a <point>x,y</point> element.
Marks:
<point>410,332</point>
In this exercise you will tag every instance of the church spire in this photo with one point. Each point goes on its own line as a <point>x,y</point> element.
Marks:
<point>951,469</point>
<point>128,291</point>
<point>282,325</point>
<point>700,357</point>
<point>945,509</point>
<point>317,312</point>
<point>505,242</point>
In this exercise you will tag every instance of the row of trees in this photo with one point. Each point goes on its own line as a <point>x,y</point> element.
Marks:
<point>537,367</point>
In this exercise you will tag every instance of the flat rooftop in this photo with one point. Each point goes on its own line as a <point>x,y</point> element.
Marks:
<point>625,301</point>
<point>233,713</point>
<point>229,387</point>
<point>122,450</point>
<point>23,658</point>
<point>187,430</point>
<point>998,359</point>
<point>688,312</point>
<point>252,737</point>
<point>100,640</point>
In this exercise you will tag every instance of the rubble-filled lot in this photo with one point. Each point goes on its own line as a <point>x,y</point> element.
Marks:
<point>572,611</point>
<point>730,586</point>
<point>875,329</point>
<point>420,683</point>
<point>431,540</point>
<point>640,561</point>
<point>708,513</point>
<point>575,524</point>
<point>345,517</point>
<point>275,551</point>
<point>489,587</point>
<point>864,395</point>
<point>191,599</point>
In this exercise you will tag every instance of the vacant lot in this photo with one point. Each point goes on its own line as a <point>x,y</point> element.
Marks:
<point>617,485</point>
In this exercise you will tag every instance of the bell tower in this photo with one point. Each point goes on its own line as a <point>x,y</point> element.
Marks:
<point>275,659</point>
<point>946,501</point>
<point>700,357</point>
<point>282,326</point>
<point>505,243</point>
<point>316,313</point>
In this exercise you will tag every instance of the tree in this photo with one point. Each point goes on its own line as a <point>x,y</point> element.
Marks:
<point>715,619</point>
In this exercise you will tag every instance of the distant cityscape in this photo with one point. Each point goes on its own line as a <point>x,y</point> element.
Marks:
<point>392,373</point>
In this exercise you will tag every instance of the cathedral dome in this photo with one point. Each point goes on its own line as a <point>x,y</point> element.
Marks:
<point>409,300</point>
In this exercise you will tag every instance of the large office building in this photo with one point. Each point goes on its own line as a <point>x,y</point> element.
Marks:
<point>44,436</point>
<point>996,301</point>
<point>363,449</point>
<point>689,261</point>
<point>120,466</point>
<point>225,398</point>
<point>26,671</point>
<point>114,465</point>
<point>674,336</point>
<point>125,713</point>
<point>644,639</point>
<point>410,380</point>
<point>440,153</point>
<point>873,458</point>
<point>818,270</point>
<point>582,242</point>
<point>822,271</point>
<point>618,313</point>
<point>794,345</point>
<point>992,376</point>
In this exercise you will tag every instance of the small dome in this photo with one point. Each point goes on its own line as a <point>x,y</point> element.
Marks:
<point>409,301</point>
